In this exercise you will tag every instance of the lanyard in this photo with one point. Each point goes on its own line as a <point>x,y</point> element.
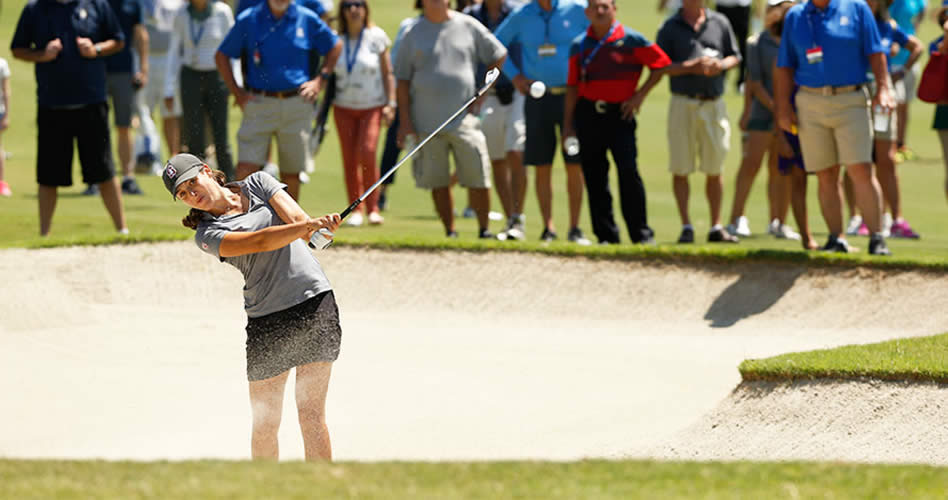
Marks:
<point>196,36</point>
<point>809,21</point>
<point>547,17</point>
<point>602,41</point>
<point>351,59</point>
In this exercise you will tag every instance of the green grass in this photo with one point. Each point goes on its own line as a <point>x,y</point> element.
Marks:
<point>586,479</point>
<point>914,359</point>
<point>411,219</point>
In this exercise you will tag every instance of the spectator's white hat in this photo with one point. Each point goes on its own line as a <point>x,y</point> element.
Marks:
<point>774,3</point>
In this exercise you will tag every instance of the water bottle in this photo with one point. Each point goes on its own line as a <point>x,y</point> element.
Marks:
<point>320,240</point>
<point>880,119</point>
<point>571,144</point>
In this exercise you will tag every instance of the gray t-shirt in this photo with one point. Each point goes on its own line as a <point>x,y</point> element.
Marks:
<point>274,280</point>
<point>440,60</point>
<point>761,53</point>
<point>681,42</point>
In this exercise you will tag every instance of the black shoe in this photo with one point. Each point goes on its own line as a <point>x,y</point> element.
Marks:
<point>721,236</point>
<point>485,234</point>
<point>91,190</point>
<point>576,235</point>
<point>877,245</point>
<point>452,234</point>
<point>547,236</point>
<point>129,186</point>
<point>687,235</point>
<point>836,244</point>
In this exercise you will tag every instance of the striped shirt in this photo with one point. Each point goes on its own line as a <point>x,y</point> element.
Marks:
<point>614,71</point>
<point>194,42</point>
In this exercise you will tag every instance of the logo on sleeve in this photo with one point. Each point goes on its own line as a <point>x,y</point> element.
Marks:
<point>204,245</point>
<point>299,32</point>
<point>844,21</point>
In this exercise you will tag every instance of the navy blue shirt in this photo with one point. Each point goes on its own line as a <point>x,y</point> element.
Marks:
<point>313,5</point>
<point>847,33</point>
<point>129,13</point>
<point>283,45</point>
<point>70,79</point>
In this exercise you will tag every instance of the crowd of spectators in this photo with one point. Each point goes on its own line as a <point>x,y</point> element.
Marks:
<point>826,87</point>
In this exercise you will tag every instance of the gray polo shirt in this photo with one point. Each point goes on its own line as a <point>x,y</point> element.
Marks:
<point>761,54</point>
<point>679,40</point>
<point>274,280</point>
<point>440,60</point>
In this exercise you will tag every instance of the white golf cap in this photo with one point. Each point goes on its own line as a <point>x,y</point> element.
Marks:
<point>774,3</point>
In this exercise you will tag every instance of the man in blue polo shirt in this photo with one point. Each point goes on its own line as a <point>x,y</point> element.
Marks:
<point>545,29</point>
<point>280,41</point>
<point>68,41</point>
<point>314,5</point>
<point>827,48</point>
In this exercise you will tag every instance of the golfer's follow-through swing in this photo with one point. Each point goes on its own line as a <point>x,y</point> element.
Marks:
<point>323,238</point>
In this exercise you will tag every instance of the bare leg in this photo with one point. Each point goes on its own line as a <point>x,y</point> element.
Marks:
<point>681,189</point>
<point>312,384</point>
<point>544,186</point>
<point>902,112</point>
<point>798,201</point>
<point>868,195</point>
<point>850,196</point>
<point>172,130</point>
<point>575,186</point>
<point>112,197</point>
<point>124,139</point>
<point>47,205</point>
<point>244,169</point>
<point>444,204</point>
<point>831,199</point>
<point>518,180</point>
<point>757,143</point>
<point>780,187</point>
<point>888,178</point>
<point>292,182</point>
<point>714,190</point>
<point>266,404</point>
<point>502,185</point>
<point>480,202</point>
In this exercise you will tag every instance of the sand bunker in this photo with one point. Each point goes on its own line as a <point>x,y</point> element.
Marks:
<point>137,351</point>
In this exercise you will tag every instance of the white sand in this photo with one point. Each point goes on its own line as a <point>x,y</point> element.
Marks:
<point>137,351</point>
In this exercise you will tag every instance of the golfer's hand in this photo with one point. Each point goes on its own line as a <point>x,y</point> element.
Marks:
<point>310,90</point>
<point>53,48</point>
<point>631,107</point>
<point>86,47</point>
<point>330,222</point>
<point>522,84</point>
<point>786,118</point>
<point>884,98</point>
<point>241,98</point>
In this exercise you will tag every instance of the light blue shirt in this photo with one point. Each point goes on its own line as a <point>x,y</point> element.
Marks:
<point>845,30</point>
<point>904,12</point>
<point>533,27</point>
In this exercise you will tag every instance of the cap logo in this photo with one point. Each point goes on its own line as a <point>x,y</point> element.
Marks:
<point>171,171</point>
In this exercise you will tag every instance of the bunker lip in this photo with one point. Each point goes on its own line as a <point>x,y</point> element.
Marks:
<point>446,355</point>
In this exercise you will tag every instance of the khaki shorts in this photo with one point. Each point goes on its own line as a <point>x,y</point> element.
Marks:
<point>290,119</point>
<point>431,166</point>
<point>834,129</point>
<point>697,130</point>
<point>504,126</point>
<point>906,87</point>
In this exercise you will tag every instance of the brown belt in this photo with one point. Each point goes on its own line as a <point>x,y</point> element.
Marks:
<point>281,94</point>
<point>830,90</point>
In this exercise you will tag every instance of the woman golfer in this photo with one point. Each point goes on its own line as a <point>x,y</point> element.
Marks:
<point>292,319</point>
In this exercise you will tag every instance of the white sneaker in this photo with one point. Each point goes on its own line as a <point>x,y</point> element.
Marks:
<point>886,225</point>
<point>782,231</point>
<point>739,228</point>
<point>852,228</point>
<point>355,220</point>
<point>376,218</point>
<point>304,178</point>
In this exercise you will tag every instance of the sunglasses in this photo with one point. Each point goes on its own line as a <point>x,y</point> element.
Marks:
<point>352,5</point>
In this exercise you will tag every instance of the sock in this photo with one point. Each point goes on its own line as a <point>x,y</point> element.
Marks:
<point>717,227</point>
<point>687,226</point>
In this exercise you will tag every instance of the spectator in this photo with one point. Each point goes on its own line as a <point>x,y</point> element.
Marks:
<point>199,28</point>
<point>4,121</point>
<point>365,98</point>
<point>941,111</point>
<point>545,29</point>
<point>761,138</point>
<point>159,23</point>
<point>702,48</point>
<point>790,162</point>
<point>436,62</point>
<point>669,6</point>
<point>738,13</point>
<point>317,6</point>
<point>68,43</point>
<point>908,14</point>
<point>123,83</point>
<point>278,85</point>
<point>503,123</point>
<point>828,50</point>
<point>603,95</point>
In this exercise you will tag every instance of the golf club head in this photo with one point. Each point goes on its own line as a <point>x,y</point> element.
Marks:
<point>491,77</point>
<point>321,239</point>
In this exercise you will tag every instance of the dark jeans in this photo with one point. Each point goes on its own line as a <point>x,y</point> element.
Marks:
<point>204,97</point>
<point>391,151</point>
<point>599,132</point>
<point>740,23</point>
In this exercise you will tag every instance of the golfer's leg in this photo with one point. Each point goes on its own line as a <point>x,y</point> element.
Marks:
<point>312,384</point>
<point>266,404</point>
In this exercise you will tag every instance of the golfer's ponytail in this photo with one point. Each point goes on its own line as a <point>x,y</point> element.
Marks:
<point>195,216</point>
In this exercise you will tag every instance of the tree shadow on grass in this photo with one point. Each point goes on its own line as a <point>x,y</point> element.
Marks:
<point>753,293</point>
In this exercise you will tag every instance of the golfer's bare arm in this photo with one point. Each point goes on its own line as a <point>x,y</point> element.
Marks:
<point>242,243</point>
<point>287,208</point>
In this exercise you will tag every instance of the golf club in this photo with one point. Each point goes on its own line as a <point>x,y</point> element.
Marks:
<point>323,238</point>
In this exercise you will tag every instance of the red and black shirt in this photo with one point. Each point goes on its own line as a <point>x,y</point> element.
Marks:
<point>612,75</point>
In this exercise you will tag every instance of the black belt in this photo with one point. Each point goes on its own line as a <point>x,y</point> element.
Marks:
<point>698,97</point>
<point>279,94</point>
<point>602,107</point>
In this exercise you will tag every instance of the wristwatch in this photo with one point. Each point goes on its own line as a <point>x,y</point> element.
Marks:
<point>98,50</point>
<point>325,75</point>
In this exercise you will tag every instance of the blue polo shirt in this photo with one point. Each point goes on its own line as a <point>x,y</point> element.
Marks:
<point>129,13</point>
<point>533,27</point>
<point>846,31</point>
<point>70,79</point>
<point>313,5</point>
<point>283,45</point>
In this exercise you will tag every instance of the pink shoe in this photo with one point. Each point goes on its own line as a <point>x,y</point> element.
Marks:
<point>901,229</point>
<point>863,230</point>
<point>5,189</point>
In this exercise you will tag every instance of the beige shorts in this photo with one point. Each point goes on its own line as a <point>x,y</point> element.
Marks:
<point>290,119</point>
<point>697,130</point>
<point>431,165</point>
<point>834,129</point>
<point>504,126</point>
<point>906,87</point>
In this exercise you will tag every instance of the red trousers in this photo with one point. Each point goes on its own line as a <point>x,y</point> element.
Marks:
<point>358,131</point>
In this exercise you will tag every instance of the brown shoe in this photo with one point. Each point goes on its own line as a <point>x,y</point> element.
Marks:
<point>721,236</point>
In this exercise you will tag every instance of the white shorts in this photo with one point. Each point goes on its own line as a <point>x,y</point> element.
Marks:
<point>504,126</point>
<point>697,130</point>
<point>153,93</point>
<point>905,88</point>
